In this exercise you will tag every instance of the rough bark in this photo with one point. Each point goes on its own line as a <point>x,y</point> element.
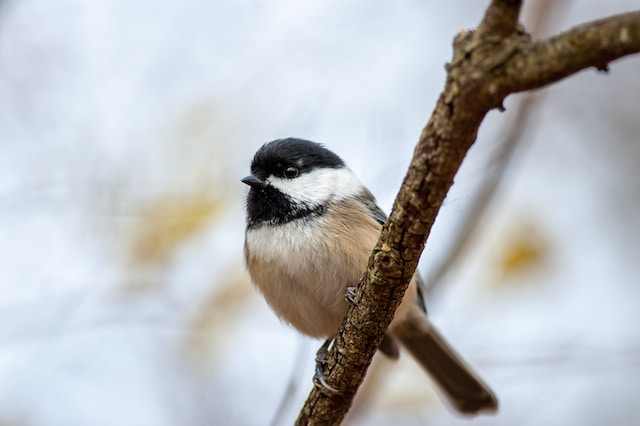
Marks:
<point>497,59</point>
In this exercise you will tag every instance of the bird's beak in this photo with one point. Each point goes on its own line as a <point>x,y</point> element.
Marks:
<point>252,180</point>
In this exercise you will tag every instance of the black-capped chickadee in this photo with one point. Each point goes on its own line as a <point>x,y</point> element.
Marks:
<point>311,227</point>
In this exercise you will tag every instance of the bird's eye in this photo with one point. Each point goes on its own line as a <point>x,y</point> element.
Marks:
<point>291,172</point>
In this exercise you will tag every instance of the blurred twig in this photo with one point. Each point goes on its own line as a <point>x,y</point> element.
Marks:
<point>487,192</point>
<point>297,372</point>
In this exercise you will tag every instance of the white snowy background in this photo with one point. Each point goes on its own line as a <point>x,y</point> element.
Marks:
<point>125,128</point>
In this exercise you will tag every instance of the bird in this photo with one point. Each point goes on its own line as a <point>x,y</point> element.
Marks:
<point>311,226</point>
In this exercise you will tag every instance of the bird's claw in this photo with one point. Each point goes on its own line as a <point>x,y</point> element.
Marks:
<point>350,295</point>
<point>319,379</point>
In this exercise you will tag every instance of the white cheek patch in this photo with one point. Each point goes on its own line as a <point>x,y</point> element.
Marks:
<point>319,186</point>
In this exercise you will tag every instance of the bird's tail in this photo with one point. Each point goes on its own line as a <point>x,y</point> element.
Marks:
<point>463,388</point>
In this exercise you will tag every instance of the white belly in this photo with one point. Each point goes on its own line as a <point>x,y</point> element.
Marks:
<point>304,267</point>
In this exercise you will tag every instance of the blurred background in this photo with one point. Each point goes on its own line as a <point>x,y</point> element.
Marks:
<point>126,126</point>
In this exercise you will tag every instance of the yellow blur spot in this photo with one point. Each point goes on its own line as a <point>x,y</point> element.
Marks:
<point>524,250</point>
<point>165,224</point>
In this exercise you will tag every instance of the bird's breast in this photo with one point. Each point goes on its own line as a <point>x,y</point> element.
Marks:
<point>303,267</point>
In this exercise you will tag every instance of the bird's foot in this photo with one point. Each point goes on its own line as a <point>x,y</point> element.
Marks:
<point>319,379</point>
<point>350,295</point>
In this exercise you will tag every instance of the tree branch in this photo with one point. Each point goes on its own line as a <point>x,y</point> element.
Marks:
<point>488,65</point>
